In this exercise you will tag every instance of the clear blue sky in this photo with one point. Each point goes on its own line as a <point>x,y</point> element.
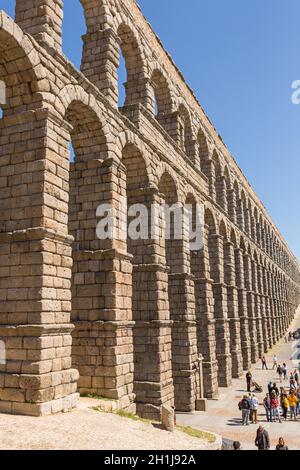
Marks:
<point>240,58</point>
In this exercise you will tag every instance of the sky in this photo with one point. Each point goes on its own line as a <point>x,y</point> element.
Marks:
<point>240,58</point>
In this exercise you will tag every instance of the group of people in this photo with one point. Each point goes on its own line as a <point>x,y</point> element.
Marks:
<point>280,403</point>
<point>293,336</point>
<point>262,441</point>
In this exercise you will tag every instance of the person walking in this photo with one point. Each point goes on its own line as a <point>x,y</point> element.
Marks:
<point>293,405</point>
<point>262,440</point>
<point>244,406</point>
<point>254,408</point>
<point>275,408</point>
<point>284,405</point>
<point>249,381</point>
<point>284,368</point>
<point>280,372</point>
<point>264,363</point>
<point>281,445</point>
<point>275,362</point>
<point>268,409</point>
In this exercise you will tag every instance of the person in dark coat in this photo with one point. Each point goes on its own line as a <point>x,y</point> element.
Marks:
<point>262,440</point>
<point>281,445</point>
<point>249,381</point>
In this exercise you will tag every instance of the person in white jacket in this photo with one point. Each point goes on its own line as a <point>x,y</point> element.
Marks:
<point>254,408</point>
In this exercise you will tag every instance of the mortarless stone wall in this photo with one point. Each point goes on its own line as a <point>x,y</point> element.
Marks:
<point>125,319</point>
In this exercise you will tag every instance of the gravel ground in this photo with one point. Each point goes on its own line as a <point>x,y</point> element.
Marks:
<point>86,429</point>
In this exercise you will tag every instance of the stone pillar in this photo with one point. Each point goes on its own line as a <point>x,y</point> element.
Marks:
<point>101,286</point>
<point>262,308</point>
<point>205,318</point>
<point>42,19</point>
<point>271,309</point>
<point>36,264</point>
<point>251,309</point>
<point>100,59</point>
<point>153,382</point>
<point>233,312</point>
<point>209,171</point>
<point>243,311</point>
<point>232,205</point>
<point>216,253</point>
<point>221,189</point>
<point>259,325</point>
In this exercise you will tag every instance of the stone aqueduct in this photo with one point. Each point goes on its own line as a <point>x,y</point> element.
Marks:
<point>129,317</point>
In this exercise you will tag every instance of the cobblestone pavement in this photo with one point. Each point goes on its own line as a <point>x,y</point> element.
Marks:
<point>224,417</point>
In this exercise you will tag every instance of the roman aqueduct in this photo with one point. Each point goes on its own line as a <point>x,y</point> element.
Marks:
<point>122,319</point>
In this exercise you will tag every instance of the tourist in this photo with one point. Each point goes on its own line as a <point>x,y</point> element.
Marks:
<point>236,445</point>
<point>280,372</point>
<point>262,440</point>
<point>267,406</point>
<point>298,398</point>
<point>284,405</point>
<point>284,368</point>
<point>275,389</point>
<point>249,381</point>
<point>244,406</point>
<point>275,362</point>
<point>275,407</point>
<point>254,403</point>
<point>293,405</point>
<point>281,445</point>
<point>264,363</point>
<point>296,377</point>
<point>270,387</point>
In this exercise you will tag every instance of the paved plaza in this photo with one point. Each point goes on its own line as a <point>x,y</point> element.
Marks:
<point>224,417</point>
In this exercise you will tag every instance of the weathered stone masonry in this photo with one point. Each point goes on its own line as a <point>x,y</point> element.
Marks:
<point>127,320</point>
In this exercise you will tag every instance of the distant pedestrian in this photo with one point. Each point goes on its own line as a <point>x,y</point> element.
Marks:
<point>275,389</point>
<point>267,406</point>
<point>254,403</point>
<point>264,363</point>
<point>262,440</point>
<point>275,362</point>
<point>281,445</point>
<point>236,445</point>
<point>280,372</point>
<point>284,368</point>
<point>244,406</point>
<point>284,405</point>
<point>275,408</point>
<point>293,401</point>
<point>249,381</point>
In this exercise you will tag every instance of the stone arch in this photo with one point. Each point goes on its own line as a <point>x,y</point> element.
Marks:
<point>135,67</point>
<point>233,237</point>
<point>165,168</point>
<point>20,67</point>
<point>216,177</point>
<point>162,94</point>
<point>226,189</point>
<point>129,139</point>
<point>185,132</point>
<point>210,221</point>
<point>203,151</point>
<point>223,230</point>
